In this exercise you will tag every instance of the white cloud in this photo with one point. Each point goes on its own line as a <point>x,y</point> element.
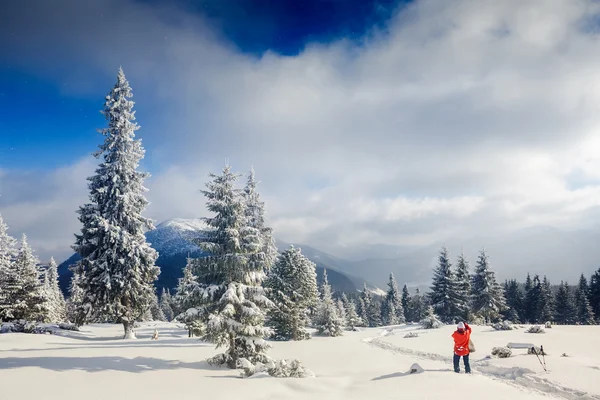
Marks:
<point>462,117</point>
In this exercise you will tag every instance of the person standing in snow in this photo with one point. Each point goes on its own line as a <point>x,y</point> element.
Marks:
<point>461,338</point>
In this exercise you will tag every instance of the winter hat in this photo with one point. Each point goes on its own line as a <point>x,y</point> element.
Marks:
<point>461,326</point>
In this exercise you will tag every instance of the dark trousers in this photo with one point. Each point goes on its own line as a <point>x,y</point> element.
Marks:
<point>465,360</point>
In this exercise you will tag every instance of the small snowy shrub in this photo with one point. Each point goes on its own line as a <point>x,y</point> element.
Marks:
<point>535,329</point>
<point>431,321</point>
<point>501,352</point>
<point>534,350</point>
<point>477,320</point>
<point>548,325</point>
<point>503,326</point>
<point>275,368</point>
<point>68,327</point>
<point>411,335</point>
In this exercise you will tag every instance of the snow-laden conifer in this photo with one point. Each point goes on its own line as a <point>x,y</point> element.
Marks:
<point>229,280</point>
<point>24,291</point>
<point>406,303</point>
<point>444,295</point>
<point>327,320</point>
<point>165,305</point>
<point>463,288</point>
<point>56,300</point>
<point>584,312</point>
<point>255,215</point>
<point>565,311</point>
<point>364,302</point>
<point>594,294</point>
<point>292,286</point>
<point>514,302</point>
<point>488,297</point>
<point>352,318</point>
<point>117,267</point>
<point>374,313</point>
<point>546,305</point>
<point>156,312</point>
<point>75,299</point>
<point>8,252</point>
<point>392,311</point>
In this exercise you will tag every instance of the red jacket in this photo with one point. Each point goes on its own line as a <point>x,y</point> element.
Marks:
<point>461,341</point>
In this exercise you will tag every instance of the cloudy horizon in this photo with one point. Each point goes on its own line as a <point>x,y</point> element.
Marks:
<point>437,123</point>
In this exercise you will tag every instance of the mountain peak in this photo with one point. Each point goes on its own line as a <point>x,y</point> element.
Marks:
<point>183,224</point>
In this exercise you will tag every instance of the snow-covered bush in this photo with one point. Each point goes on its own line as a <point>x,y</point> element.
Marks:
<point>534,350</point>
<point>501,352</point>
<point>503,326</point>
<point>548,325</point>
<point>68,327</point>
<point>535,329</point>
<point>477,320</point>
<point>411,335</point>
<point>22,326</point>
<point>275,368</point>
<point>431,321</point>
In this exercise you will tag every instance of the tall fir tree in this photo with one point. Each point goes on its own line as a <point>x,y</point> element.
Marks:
<point>533,300</point>
<point>24,291</point>
<point>546,305</point>
<point>594,293</point>
<point>75,298</point>
<point>229,280</point>
<point>352,318</point>
<point>165,305</point>
<point>292,287</point>
<point>514,301</point>
<point>184,292</point>
<point>117,267</point>
<point>584,311</point>
<point>392,311</point>
<point>488,297</point>
<point>364,304</point>
<point>255,215</point>
<point>156,312</point>
<point>528,307</point>
<point>406,303</point>
<point>418,306</point>
<point>56,299</point>
<point>8,253</point>
<point>565,311</point>
<point>374,313</point>
<point>327,319</point>
<point>463,288</point>
<point>444,295</point>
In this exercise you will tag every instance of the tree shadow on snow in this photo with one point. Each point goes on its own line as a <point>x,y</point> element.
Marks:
<point>120,343</point>
<point>401,374</point>
<point>97,364</point>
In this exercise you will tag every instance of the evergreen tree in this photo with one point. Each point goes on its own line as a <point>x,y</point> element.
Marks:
<point>255,215</point>
<point>533,300</point>
<point>23,290</point>
<point>594,293</point>
<point>488,297</point>
<point>374,313</point>
<point>565,311</point>
<point>418,306</point>
<point>116,270</point>
<point>444,295</point>
<point>341,311</point>
<point>514,301</point>
<point>56,300</point>
<point>463,288</point>
<point>186,285</point>
<point>364,305</point>
<point>156,312</point>
<point>528,307</point>
<point>229,279</point>
<point>392,310</point>
<point>75,298</point>
<point>584,312</point>
<point>292,286</point>
<point>546,304</point>
<point>328,322</point>
<point>406,304</point>
<point>352,318</point>
<point>165,305</point>
<point>8,253</point>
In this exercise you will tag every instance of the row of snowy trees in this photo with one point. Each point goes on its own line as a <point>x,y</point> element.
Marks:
<point>27,290</point>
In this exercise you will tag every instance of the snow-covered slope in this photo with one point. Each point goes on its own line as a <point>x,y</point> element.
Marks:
<point>176,236</point>
<point>371,364</point>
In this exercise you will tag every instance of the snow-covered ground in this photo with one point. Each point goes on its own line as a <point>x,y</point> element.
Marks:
<point>372,364</point>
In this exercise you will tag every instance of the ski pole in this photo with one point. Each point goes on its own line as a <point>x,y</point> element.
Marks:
<point>538,357</point>
<point>543,355</point>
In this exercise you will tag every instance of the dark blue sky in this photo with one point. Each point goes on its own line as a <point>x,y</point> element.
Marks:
<point>43,124</point>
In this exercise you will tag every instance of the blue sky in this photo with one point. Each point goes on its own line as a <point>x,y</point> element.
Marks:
<point>388,122</point>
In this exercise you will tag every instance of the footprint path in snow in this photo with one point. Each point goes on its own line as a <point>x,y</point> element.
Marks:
<point>522,378</point>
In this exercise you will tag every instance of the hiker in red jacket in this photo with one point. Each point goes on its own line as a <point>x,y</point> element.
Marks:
<point>461,346</point>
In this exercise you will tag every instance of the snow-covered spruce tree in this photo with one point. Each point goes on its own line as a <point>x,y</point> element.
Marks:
<point>528,308</point>
<point>352,318</point>
<point>418,306</point>
<point>565,311</point>
<point>533,300</point>
<point>514,301</point>
<point>364,302</point>
<point>594,294</point>
<point>232,301</point>
<point>341,311</point>
<point>391,309</point>
<point>117,268</point>
<point>156,312</point>
<point>431,321</point>
<point>444,290</point>
<point>406,304</point>
<point>463,288</point>
<point>255,215</point>
<point>165,305</point>
<point>292,287</point>
<point>327,320</point>
<point>75,298</point>
<point>488,297</point>
<point>8,253</point>
<point>546,305</point>
<point>23,288</point>
<point>374,313</point>
<point>584,312</point>
<point>56,300</point>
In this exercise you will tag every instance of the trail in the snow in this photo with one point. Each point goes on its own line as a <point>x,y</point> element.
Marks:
<point>514,376</point>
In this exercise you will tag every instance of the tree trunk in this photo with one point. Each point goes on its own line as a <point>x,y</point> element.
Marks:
<point>232,353</point>
<point>129,332</point>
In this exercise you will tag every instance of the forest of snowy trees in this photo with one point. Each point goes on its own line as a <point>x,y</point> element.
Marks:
<point>243,292</point>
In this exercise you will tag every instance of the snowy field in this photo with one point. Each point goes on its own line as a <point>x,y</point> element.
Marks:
<point>372,364</point>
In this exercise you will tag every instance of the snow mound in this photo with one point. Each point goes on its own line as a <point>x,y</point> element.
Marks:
<point>415,369</point>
